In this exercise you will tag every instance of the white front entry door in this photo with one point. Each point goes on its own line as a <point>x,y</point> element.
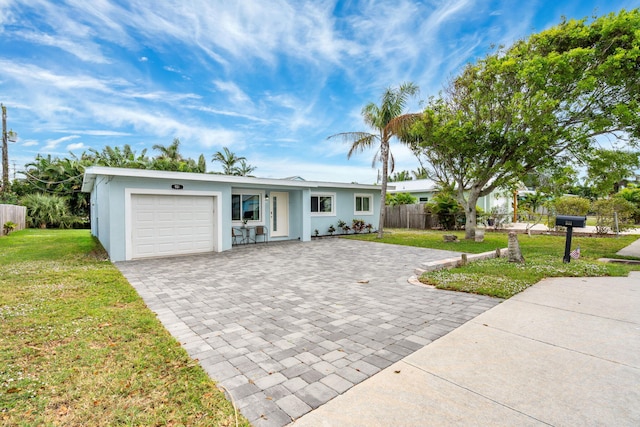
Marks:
<point>279,213</point>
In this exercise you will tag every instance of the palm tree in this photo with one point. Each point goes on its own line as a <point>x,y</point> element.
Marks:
<point>400,176</point>
<point>228,160</point>
<point>388,121</point>
<point>244,169</point>
<point>171,152</point>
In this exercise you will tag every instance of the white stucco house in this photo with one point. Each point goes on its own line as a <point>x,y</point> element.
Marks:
<point>147,213</point>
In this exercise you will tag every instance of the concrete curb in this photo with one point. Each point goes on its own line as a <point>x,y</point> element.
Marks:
<point>457,262</point>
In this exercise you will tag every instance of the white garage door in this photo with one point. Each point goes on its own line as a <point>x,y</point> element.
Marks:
<point>171,225</point>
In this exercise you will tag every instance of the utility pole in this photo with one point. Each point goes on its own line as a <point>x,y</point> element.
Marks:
<point>6,137</point>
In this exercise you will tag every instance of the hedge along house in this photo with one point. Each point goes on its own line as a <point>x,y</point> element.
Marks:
<point>148,213</point>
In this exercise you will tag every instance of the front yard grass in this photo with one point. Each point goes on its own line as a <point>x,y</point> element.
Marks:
<point>79,347</point>
<point>500,278</point>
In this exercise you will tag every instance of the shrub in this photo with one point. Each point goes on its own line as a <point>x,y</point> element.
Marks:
<point>400,199</point>
<point>606,211</point>
<point>567,205</point>
<point>47,210</point>
<point>632,194</point>
<point>447,209</point>
<point>9,226</point>
<point>357,225</point>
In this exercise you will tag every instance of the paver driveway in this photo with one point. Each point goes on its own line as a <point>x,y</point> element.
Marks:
<point>286,327</point>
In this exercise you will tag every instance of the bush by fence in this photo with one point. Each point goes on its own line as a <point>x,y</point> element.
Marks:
<point>12,213</point>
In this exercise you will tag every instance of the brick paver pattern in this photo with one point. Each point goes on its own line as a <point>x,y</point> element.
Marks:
<point>286,327</point>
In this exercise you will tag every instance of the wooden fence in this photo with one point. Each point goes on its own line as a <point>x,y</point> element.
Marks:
<point>409,216</point>
<point>13,213</point>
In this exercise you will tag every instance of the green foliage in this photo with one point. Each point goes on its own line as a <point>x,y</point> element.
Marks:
<point>232,164</point>
<point>47,210</point>
<point>609,210</point>
<point>400,176</point>
<point>400,199</point>
<point>533,105</point>
<point>9,226</point>
<point>60,177</point>
<point>632,194</point>
<point>568,205</point>
<point>447,209</point>
<point>117,157</point>
<point>607,169</point>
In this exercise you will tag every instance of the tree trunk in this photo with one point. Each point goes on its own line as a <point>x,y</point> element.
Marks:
<point>470,213</point>
<point>384,156</point>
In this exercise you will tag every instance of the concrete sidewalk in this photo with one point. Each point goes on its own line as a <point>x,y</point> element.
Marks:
<point>564,352</point>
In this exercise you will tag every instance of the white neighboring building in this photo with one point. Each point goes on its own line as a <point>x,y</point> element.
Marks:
<point>424,189</point>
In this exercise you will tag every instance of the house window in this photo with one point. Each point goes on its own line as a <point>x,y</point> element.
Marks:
<point>246,207</point>
<point>363,204</point>
<point>323,204</point>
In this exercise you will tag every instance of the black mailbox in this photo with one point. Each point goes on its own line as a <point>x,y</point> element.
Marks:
<point>571,221</point>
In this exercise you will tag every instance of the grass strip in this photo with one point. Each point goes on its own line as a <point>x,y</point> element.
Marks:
<point>500,278</point>
<point>79,347</point>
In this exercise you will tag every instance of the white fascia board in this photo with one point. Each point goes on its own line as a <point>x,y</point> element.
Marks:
<point>92,172</point>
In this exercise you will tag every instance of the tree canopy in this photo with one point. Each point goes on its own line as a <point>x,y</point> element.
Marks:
<point>535,104</point>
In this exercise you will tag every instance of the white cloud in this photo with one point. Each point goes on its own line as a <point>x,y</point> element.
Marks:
<point>236,95</point>
<point>53,143</point>
<point>75,146</point>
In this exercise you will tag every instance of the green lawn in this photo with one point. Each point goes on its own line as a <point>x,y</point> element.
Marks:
<point>500,278</point>
<point>79,347</point>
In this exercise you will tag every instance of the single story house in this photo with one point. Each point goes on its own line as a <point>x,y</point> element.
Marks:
<point>139,213</point>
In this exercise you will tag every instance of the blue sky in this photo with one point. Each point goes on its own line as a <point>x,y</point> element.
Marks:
<point>270,80</point>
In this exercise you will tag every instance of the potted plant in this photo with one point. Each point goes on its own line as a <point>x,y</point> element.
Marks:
<point>331,230</point>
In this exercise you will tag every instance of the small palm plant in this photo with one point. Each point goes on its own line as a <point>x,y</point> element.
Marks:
<point>9,226</point>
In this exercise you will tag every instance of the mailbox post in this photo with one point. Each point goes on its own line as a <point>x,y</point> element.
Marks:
<point>570,221</point>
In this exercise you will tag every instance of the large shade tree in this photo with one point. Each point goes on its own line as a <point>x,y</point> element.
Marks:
<point>387,120</point>
<point>536,104</point>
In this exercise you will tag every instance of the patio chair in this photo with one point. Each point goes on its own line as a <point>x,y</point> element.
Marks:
<point>261,230</point>
<point>237,236</point>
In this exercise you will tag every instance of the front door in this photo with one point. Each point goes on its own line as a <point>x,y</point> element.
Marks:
<point>279,213</point>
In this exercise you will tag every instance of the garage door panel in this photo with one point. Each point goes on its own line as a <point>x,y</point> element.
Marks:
<point>171,225</point>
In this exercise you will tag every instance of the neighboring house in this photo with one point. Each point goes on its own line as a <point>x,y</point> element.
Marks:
<point>148,213</point>
<point>424,190</point>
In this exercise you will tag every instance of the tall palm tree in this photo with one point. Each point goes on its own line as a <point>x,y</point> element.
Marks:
<point>388,120</point>
<point>228,161</point>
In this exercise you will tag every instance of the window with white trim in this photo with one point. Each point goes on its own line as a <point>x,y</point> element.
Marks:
<point>363,204</point>
<point>323,204</point>
<point>246,207</point>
